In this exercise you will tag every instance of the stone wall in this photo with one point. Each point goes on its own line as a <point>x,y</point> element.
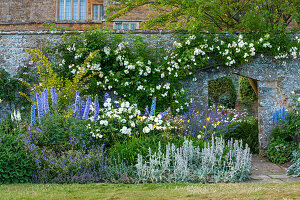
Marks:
<point>14,44</point>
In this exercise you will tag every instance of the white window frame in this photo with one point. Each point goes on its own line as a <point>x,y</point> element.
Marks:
<point>72,11</point>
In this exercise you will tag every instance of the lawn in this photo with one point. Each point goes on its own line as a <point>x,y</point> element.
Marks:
<point>153,191</point>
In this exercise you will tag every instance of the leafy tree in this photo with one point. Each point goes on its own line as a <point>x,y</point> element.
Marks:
<point>214,15</point>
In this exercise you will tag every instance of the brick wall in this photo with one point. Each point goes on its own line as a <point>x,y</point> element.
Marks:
<point>23,15</point>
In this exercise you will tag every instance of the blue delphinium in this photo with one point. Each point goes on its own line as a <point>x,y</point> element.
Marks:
<point>96,114</point>
<point>153,106</point>
<point>45,102</point>
<point>81,112</point>
<point>280,115</point>
<point>39,107</point>
<point>77,106</point>
<point>53,96</point>
<point>87,109</point>
<point>146,111</point>
<point>32,114</point>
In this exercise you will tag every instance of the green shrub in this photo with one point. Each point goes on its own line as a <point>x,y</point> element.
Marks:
<point>280,151</point>
<point>285,133</point>
<point>222,92</point>
<point>247,131</point>
<point>247,93</point>
<point>57,131</point>
<point>15,164</point>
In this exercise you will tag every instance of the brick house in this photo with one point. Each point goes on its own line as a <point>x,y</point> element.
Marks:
<point>22,15</point>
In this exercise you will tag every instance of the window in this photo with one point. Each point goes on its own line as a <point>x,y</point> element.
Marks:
<point>71,9</point>
<point>126,26</point>
<point>119,26</point>
<point>133,26</point>
<point>98,12</point>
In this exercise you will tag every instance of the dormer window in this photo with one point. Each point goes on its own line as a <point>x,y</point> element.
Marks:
<point>71,10</point>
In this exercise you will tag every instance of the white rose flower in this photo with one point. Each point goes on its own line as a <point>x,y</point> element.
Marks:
<point>146,130</point>
<point>132,124</point>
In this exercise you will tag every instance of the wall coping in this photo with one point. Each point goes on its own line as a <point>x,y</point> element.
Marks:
<point>61,32</point>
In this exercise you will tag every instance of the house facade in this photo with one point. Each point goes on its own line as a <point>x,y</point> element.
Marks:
<point>32,15</point>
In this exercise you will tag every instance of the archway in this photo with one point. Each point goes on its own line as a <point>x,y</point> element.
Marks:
<point>275,82</point>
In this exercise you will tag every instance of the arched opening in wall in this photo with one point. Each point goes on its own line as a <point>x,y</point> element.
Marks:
<point>224,96</point>
<point>222,92</point>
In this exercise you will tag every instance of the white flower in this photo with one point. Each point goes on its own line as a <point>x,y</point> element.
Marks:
<point>125,130</point>
<point>123,121</point>
<point>199,136</point>
<point>73,71</point>
<point>177,44</point>
<point>107,104</point>
<point>158,87</point>
<point>132,124</point>
<point>188,42</point>
<point>150,126</point>
<point>104,122</point>
<point>146,129</point>
<point>106,50</point>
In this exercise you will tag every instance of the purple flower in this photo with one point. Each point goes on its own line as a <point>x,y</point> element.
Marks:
<point>40,107</point>
<point>96,114</point>
<point>45,101</point>
<point>53,96</point>
<point>146,111</point>
<point>87,109</point>
<point>77,104</point>
<point>81,110</point>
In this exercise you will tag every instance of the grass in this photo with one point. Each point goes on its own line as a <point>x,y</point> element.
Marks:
<point>289,190</point>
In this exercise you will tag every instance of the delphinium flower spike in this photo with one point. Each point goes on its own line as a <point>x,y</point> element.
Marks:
<point>153,106</point>
<point>96,114</point>
<point>45,101</point>
<point>32,114</point>
<point>81,112</point>
<point>146,111</point>
<point>39,107</point>
<point>77,105</point>
<point>87,109</point>
<point>53,96</point>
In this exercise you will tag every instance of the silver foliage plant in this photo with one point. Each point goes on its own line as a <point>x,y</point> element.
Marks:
<point>218,161</point>
<point>294,169</point>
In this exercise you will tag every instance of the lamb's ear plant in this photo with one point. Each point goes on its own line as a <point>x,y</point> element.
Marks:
<point>66,88</point>
<point>218,161</point>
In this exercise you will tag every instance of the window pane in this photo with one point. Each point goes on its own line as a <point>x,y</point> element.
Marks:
<point>126,26</point>
<point>133,26</point>
<point>75,10</point>
<point>61,12</point>
<point>68,10</point>
<point>82,9</point>
<point>102,12</point>
<point>119,26</point>
<point>96,12</point>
